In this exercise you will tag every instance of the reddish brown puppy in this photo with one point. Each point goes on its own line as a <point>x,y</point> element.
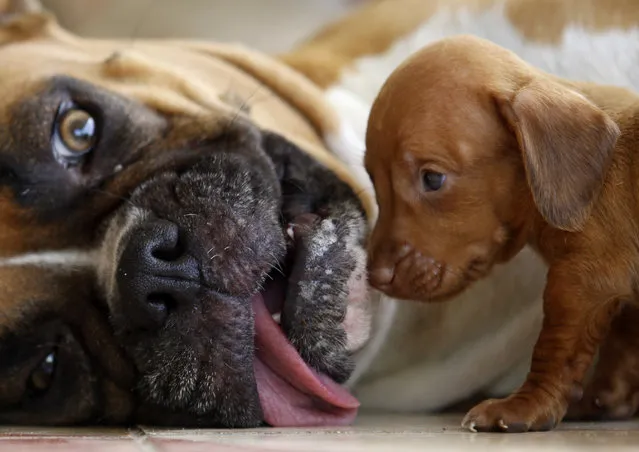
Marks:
<point>474,154</point>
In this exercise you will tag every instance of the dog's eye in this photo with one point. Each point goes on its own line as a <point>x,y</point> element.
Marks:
<point>42,376</point>
<point>433,181</point>
<point>74,136</point>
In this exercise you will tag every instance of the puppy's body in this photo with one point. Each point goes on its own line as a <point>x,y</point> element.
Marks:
<point>474,154</point>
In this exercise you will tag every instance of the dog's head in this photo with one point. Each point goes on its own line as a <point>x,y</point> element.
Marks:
<point>469,148</point>
<point>177,246</point>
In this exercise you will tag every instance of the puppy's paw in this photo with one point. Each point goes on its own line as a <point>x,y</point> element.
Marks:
<point>514,414</point>
<point>326,308</point>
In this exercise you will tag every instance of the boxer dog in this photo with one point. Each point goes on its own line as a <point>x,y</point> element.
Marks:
<point>178,247</point>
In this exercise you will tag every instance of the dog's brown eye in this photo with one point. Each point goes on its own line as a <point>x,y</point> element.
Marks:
<point>433,181</point>
<point>77,131</point>
<point>42,376</point>
<point>75,135</point>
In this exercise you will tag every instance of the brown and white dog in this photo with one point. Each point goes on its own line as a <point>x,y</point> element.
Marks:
<point>115,155</point>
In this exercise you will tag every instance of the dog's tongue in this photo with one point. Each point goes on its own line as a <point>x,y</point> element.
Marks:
<point>291,393</point>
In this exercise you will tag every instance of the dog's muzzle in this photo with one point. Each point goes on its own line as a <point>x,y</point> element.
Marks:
<point>230,314</point>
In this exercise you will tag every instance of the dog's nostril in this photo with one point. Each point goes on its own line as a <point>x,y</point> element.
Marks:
<point>170,253</point>
<point>160,306</point>
<point>162,240</point>
<point>160,250</point>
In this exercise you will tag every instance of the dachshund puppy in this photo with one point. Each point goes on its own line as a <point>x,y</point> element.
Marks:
<point>475,154</point>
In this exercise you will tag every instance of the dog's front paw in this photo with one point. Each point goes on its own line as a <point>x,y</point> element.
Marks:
<point>515,414</point>
<point>326,308</point>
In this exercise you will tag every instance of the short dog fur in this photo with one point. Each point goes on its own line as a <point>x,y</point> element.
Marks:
<point>474,153</point>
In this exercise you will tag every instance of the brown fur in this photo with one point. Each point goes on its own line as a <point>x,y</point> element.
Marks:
<point>529,158</point>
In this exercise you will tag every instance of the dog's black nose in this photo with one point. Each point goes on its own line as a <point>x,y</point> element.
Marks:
<point>155,275</point>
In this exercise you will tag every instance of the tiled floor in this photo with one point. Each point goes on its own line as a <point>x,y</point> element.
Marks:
<point>370,434</point>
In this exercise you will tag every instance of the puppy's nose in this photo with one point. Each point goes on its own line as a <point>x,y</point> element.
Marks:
<point>381,277</point>
<point>155,275</point>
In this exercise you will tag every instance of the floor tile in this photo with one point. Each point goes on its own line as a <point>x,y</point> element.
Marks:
<point>67,445</point>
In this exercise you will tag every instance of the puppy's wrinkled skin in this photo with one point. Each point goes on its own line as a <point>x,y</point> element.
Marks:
<point>474,154</point>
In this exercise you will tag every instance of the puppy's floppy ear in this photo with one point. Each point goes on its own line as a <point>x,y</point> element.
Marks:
<point>566,143</point>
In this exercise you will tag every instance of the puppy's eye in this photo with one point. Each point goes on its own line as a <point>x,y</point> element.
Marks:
<point>433,181</point>
<point>74,135</point>
<point>42,376</point>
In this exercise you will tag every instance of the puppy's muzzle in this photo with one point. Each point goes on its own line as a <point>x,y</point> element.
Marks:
<point>156,276</point>
<point>403,272</point>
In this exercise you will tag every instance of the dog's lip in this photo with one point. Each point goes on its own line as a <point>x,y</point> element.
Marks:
<point>291,394</point>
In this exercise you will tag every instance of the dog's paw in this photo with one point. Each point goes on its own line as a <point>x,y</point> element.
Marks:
<point>326,308</point>
<point>514,414</point>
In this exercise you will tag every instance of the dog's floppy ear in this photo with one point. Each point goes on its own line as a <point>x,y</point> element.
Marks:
<point>567,143</point>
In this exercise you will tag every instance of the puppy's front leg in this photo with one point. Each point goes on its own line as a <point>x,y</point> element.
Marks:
<point>577,317</point>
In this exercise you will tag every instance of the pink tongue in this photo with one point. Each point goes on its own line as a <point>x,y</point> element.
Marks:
<point>291,393</point>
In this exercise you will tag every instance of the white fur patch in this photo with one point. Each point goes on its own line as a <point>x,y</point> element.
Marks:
<point>70,258</point>
<point>459,350</point>
<point>111,248</point>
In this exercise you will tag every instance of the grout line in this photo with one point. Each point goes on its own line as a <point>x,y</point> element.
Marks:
<point>141,439</point>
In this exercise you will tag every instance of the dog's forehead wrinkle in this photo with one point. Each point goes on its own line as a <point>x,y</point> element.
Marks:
<point>128,64</point>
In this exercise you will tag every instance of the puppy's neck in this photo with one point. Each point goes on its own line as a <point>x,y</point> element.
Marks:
<point>521,228</point>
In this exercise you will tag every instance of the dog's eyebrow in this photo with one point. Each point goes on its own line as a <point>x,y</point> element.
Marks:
<point>69,258</point>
